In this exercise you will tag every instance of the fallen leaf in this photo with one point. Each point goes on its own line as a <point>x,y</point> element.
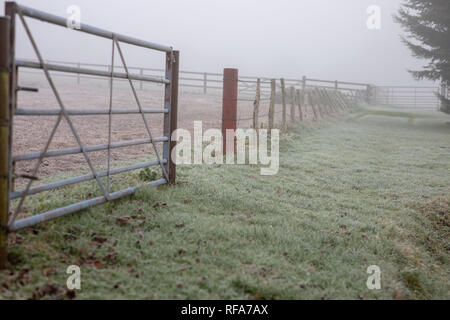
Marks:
<point>98,264</point>
<point>50,271</point>
<point>100,239</point>
<point>111,257</point>
<point>71,294</point>
<point>24,277</point>
<point>45,290</point>
<point>123,220</point>
<point>158,205</point>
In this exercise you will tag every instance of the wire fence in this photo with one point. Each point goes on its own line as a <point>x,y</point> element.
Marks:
<point>291,102</point>
<point>206,82</point>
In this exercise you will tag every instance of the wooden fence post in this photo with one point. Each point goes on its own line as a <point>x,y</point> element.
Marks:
<point>283,102</point>
<point>78,75</point>
<point>4,135</point>
<point>174,113</point>
<point>272,103</point>
<point>327,101</point>
<point>229,107</point>
<point>303,93</point>
<point>332,101</point>
<point>299,103</point>
<point>292,104</point>
<point>322,107</point>
<point>323,101</point>
<point>256,105</point>
<point>312,102</point>
<point>318,101</point>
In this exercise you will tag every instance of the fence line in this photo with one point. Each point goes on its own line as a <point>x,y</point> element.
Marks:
<point>322,102</point>
<point>400,96</point>
<point>205,81</point>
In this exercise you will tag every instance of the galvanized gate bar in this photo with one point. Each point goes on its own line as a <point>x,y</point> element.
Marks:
<point>11,10</point>
<point>111,89</point>
<point>53,214</point>
<point>138,102</point>
<point>70,181</point>
<point>99,147</point>
<point>63,114</point>
<point>91,72</point>
<point>90,112</point>
<point>47,17</point>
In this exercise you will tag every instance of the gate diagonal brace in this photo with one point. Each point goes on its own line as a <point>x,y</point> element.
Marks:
<point>62,114</point>
<point>147,128</point>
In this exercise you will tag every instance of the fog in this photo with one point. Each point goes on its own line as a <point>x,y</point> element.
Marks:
<point>322,39</point>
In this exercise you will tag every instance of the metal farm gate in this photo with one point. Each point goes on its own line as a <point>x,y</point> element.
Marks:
<point>9,67</point>
<point>406,96</point>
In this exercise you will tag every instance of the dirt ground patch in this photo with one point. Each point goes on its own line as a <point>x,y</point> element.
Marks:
<point>31,133</point>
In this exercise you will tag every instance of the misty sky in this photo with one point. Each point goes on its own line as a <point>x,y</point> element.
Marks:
<point>322,39</point>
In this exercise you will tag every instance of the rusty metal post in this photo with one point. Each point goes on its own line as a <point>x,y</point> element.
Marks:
<point>4,134</point>
<point>229,105</point>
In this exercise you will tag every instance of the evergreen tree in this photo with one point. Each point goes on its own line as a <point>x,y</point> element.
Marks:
<point>427,25</point>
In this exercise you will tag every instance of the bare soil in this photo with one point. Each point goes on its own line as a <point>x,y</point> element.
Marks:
<point>31,132</point>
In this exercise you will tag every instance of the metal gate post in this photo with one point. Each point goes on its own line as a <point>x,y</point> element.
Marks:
<point>4,135</point>
<point>229,105</point>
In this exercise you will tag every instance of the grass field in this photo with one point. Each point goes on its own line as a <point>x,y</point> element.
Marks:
<point>371,188</point>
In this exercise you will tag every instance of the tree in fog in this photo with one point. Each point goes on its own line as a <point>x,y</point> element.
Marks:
<point>427,24</point>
